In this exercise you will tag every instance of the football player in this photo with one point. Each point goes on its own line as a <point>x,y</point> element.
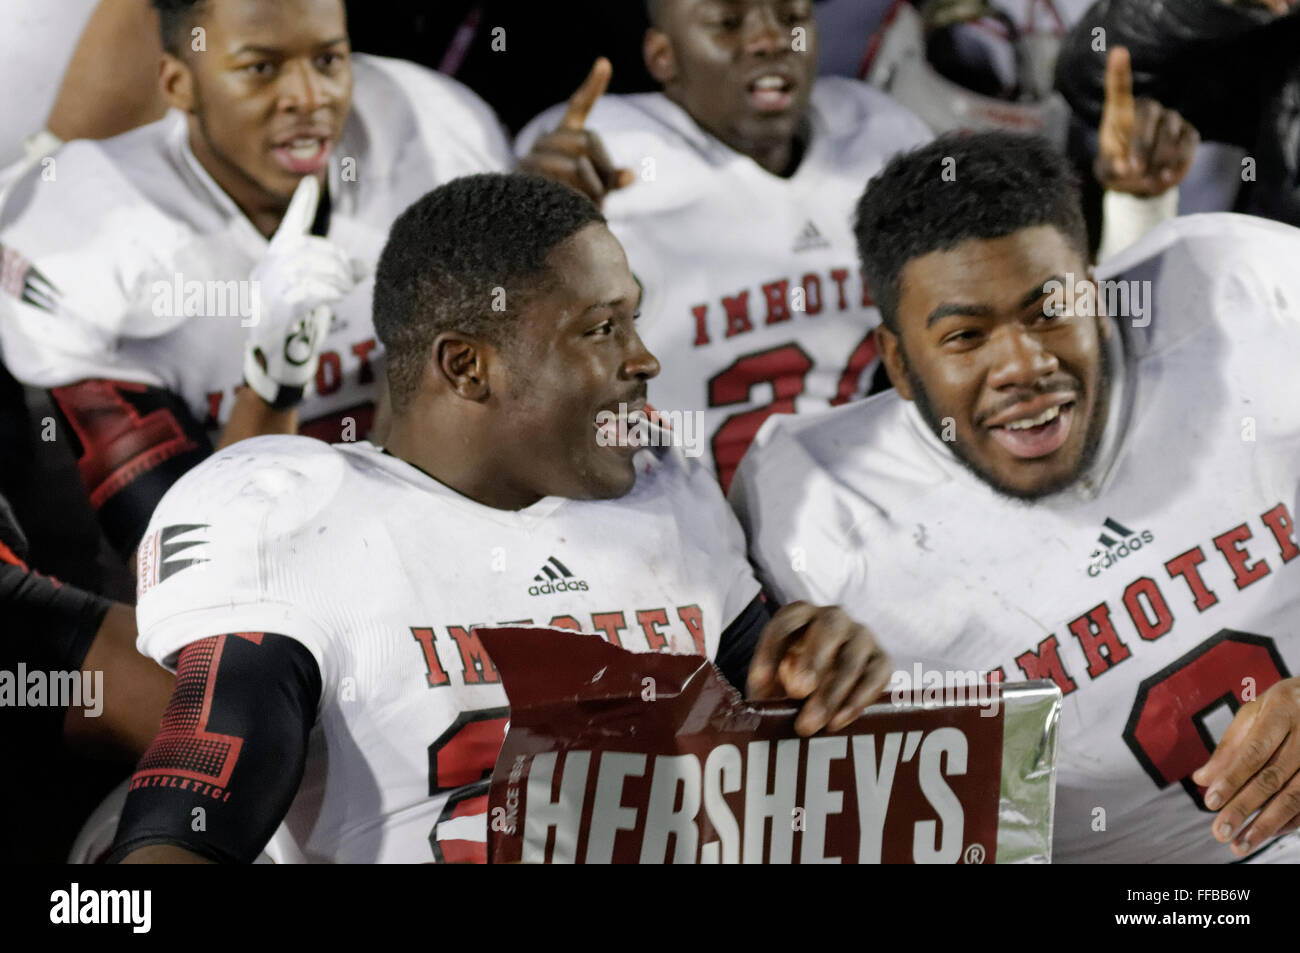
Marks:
<point>319,603</point>
<point>148,276</point>
<point>1087,480</point>
<point>728,189</point>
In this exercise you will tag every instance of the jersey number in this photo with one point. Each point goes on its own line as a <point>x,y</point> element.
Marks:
<point>461,761</point>
<point>1166,729</point>
<point>786,369</point>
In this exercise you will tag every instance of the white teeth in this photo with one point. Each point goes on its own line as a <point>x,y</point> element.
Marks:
<point>770,82</point>
<point>304,148</point>
<point>1050,414</point>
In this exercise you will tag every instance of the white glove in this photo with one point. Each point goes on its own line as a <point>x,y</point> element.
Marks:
<point>295,284</point>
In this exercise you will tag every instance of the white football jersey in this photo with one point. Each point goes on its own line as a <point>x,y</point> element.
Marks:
<point>1159,593</point>
<point>383,573</point>
<point>123,259</point>
<point>754,302</point>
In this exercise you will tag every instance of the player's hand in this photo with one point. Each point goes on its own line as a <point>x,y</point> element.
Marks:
<point>573,154</point>
<point>1257,765</point>
<point>1144,148</point>
<point>820,654</point>
<point>295,283</point>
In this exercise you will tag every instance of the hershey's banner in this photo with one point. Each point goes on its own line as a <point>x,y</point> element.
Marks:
<point>621,757</point>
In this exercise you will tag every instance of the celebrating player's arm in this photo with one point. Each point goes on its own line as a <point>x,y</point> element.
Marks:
<point>1144,152</point>
<point>56,627</point>
<point>250,670</point>
<point>572,153</point>
<point>298,279</point>
<point>261,691</point>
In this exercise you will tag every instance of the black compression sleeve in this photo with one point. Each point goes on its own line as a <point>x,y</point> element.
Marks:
<point>45,625</point>
<point>132,443</point>
<point>234,773</point>
<point>736,647</point>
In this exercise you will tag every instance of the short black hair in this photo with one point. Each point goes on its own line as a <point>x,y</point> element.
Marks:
<point>175,21</point>
<point>467,257</point>
<point>996,183</point>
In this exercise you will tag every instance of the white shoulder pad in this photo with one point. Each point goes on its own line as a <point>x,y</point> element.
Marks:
<point>686,491</point>
<point>95,239</point>
<point>1191,272</point>
<point>457,127</point>
<point>83,246</point>
<point>789,496</point>
<point>848,104</point>
<point>220,532</point>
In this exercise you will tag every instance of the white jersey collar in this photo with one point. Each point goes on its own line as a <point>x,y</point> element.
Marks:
<point>719,153</point>
<point>409,473</point>
<point>1123,388</point>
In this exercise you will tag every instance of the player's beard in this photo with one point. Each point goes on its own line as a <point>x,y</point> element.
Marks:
<point>1091,442</point>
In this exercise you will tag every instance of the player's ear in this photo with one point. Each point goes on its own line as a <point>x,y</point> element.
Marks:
<point>177,82</point>
<point>660,61</point>
<point>460,362</point>
<point>890,349</point>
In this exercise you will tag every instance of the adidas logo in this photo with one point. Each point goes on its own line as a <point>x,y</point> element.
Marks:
<point>810,238</point>
<point>1115,542</point>
<point>555,577</point>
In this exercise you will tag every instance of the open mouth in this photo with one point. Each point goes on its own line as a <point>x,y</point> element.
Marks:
<point>1038,435</point>
<point>303,155</point>
<point>623,426</point>
<point>771,93</point>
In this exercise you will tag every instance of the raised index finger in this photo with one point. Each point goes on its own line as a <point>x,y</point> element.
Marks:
<point>1119,113</point>
<point>582,101</point>
<point>300,215</point>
